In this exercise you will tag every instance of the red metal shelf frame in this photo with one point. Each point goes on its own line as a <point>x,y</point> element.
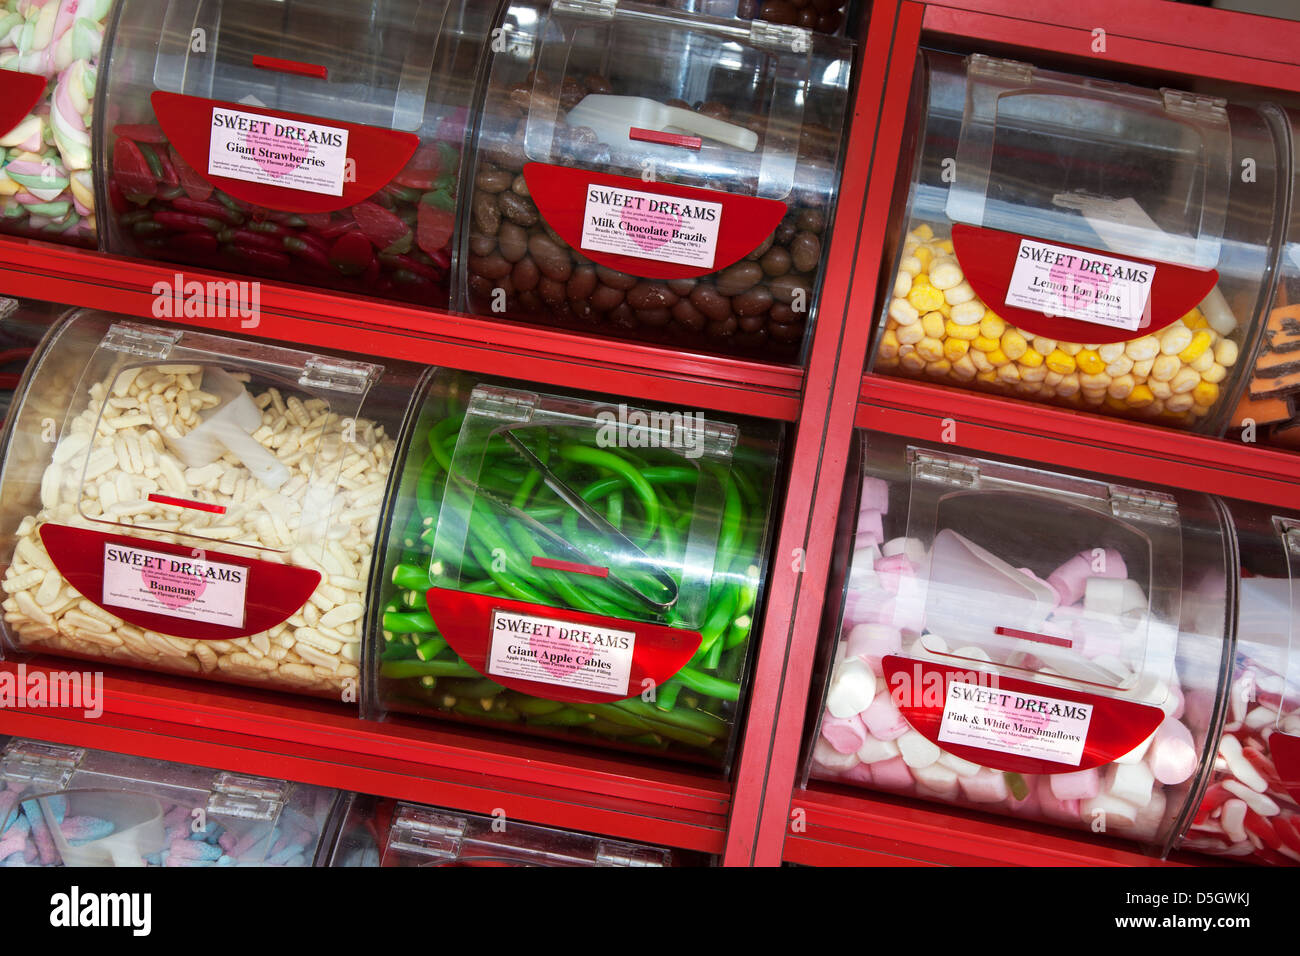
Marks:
<point>760,817</point>
<point>1157,35</point>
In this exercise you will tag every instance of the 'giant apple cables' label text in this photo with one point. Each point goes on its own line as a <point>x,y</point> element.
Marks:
<point>561,653</point>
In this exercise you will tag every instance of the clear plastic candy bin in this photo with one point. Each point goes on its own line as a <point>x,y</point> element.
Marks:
<point>49,64</point>
<point>1083,243</point>
<point>382,832</point>
<point>572,567</point>
<point>195,503</point>
<point>641,173</point>
<point>1027,642</point>
<point>69,806</point>
<point>312,143</point>
<point>1251,809</point>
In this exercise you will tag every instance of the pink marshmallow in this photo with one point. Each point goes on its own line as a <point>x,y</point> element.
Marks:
<point>875,495</point>
<point>859,774</point>
<point>1069,580</point>
<point>871,526</point>
<point>891,774</point>
<point>1053,808</point>
<point>845,734</point>
<point>871,642</point>
<point>892,569</point>
<point>883,718</point>
<point>1176,705</point>
<point>1028,807</point>
<point>1173,754</point>
<point>1080,785</point>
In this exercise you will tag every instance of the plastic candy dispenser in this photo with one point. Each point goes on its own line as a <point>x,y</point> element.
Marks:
<point>379,832</point>
<point>1083,243</point>
<point>572,567</point>
<point>49,62</point>
<point>69,806</point>
<point>311,143</point>
<point>197,504</point>
<point>1031,643</point>
<point>1251,809</point>
<point>640,173</point>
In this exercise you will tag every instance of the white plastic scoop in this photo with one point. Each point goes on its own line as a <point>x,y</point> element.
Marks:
<point>229,427</point>
<point>137,827</point>
<point>612,118</point>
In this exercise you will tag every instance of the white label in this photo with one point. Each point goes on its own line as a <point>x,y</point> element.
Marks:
<point>191,588</point>
<point>278,152</point>
<point>561,653</point>
<point>649,226</point>
<point>1012,722</point>
<point>1086,286</point>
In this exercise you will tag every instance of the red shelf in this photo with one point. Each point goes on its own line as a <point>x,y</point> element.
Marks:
<point>391,330</point>
<point>746,820</point>
<point>874,830</point>
<point>1018,429</point>
<point>317,742</point>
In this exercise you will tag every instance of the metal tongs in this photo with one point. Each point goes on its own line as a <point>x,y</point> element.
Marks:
<point>587,514</point>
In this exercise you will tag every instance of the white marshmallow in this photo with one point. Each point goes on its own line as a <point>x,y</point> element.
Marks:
<point>918,751</point>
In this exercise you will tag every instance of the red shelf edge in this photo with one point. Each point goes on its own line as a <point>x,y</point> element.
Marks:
<point>377,327</point>
<point>845,830</point>
<point>1020,429</point>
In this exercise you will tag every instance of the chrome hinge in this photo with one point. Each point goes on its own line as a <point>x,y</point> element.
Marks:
<point>1138,505</point>
<point>42,766</point>
<point>427,832</point>
<point>1009,71</point>
<point>140,340</point>
<point>628,854</point>
<point>595,9</point>
<point>1211,109</point>
<point>502,404</point>
<point>780,37</point>
<point>944,470</point>
<point>338,375</point>
<point>249,798</point>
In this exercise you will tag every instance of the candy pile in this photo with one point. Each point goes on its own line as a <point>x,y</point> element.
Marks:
<point>46,189</point>
<point>396,243</point>
<point>516,260</point>
<point>25,839</point>
<point>647,494</point>
<point>1248,811</point>
<point>866,740</point>
<point>126,456</point>
<point>938,328</point>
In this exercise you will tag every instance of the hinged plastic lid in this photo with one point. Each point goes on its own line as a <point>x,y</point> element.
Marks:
<point>40,766</point>
<point>571,536</point>
<point>444,838</point>
<point>759,145</point>
<point>1030,574</point>
<point>200,399</point>
<point>366,63</point>
<point>1054,156</point>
